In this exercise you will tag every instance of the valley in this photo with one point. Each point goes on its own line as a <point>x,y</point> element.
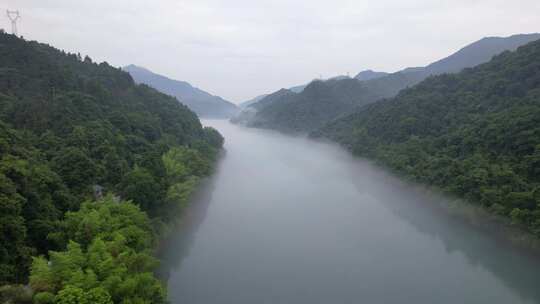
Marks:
<point>291,220</point>
<point>274,152</point>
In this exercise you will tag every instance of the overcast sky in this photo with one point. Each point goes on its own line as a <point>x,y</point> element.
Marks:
<point>242,48</point>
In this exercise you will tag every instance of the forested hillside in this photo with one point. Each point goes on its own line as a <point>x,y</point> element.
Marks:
<point>251,101</point>
<point>72,131</point>
<point>311,109</point>
<point>247,116</point>
<point>319,102</point>
<point>199,101</point>
<point>475,134</point>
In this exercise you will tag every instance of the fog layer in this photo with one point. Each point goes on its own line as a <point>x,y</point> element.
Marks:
<point>288,220</point>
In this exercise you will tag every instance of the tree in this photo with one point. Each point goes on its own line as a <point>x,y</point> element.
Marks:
<point>71,295</point>
<point>142,188</point>
<point>67,124</point>
<point>98,296</point>
<point>76,168</point>
<point>112,262</point>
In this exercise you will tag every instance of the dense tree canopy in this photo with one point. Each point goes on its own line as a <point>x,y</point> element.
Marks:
<point>68,127</point>
<point>475,134</point>
<point>107,258</point>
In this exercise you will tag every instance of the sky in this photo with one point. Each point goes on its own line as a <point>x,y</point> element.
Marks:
<point>239,49</point>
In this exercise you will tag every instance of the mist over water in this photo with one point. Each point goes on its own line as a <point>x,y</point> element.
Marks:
<point>289,220</point>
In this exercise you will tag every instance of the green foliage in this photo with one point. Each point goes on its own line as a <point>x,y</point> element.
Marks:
<point>213,138</point>
<point>181,162</point>
<point>109,220</point>
<point>99,296</point>
<point>319,103</point>
<point>71,295</point>
<point>141,186</point>
<point>184,168</point>
<point>180,192</point>
<point>109,261</point>
<point>475,134</point>
<point>67,125</point>
<point>76,168</point>
<point>44,298</point>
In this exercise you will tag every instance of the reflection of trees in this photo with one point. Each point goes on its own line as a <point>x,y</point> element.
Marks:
<point>174,249</point>
<point>519,270</point>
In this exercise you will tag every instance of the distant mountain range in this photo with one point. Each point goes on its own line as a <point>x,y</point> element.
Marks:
<point>323,101</point>
<point>202,103</point>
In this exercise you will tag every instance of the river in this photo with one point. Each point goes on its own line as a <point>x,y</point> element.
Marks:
<point>289,220</point>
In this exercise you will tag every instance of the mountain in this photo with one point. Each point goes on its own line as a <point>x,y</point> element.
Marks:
<point>369,75</point>
<point>306,111</point>
<point>295,89</point>
<point>247,115</point>
<point>247,103</point>
<point>297,112</point>
<point>93,166</point>
<point>471,55</point>
<point>475,134</point>
<point>199,101</point>
<point>479,52</point>
<point>298,88</point>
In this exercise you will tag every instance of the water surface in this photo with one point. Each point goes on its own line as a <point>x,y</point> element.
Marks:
<point>289,220</point>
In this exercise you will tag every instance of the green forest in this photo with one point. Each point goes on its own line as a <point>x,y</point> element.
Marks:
<point>319,103</point>
<point>475,134</point>
<point>93,169</point>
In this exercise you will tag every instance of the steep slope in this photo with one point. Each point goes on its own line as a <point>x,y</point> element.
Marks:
<point>306,111</point>
<point>70,130</point>
<point>479,52</point>
<point>199,101</point>
<point>475,134</point>
<point>471,55</point>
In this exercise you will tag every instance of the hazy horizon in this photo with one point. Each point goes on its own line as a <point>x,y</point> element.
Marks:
<point>240,49</point>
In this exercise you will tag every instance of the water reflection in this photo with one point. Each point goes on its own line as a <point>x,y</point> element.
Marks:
<point>288,220</point>
<point>519,269</point>
<point>176,247</point>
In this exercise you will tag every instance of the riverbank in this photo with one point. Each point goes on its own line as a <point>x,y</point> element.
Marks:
<point>290,220</point>
<point>112,243</point>
<point>470,213</point>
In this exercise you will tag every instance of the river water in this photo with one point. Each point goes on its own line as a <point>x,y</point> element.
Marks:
<point>289,220</point>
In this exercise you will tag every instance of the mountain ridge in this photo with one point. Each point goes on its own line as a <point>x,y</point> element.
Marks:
<point>369,75</point>
<point>198,100</point>
<point>302,113</point>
